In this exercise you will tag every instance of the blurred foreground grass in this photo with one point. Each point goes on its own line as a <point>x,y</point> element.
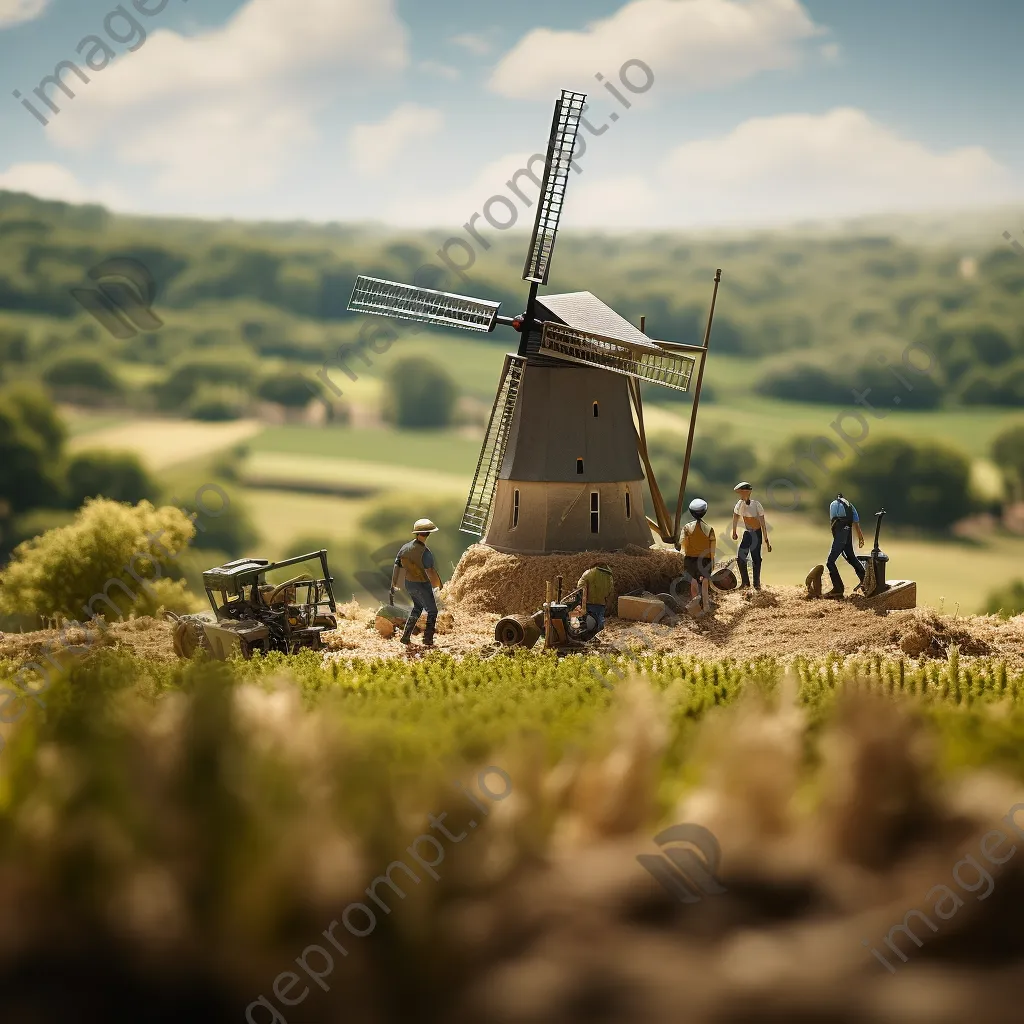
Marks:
<point>173,836</point>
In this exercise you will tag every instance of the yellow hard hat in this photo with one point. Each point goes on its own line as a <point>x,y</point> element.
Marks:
<point>423,526</point>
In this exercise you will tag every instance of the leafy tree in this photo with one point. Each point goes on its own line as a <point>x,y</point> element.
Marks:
<point>29,460</point>
<point>921,483</point>
<point>1008,455</point>
<point>813,379</point>
<point>40,415</point>
<point>14,346</point>
<point>119,476</point>
<point>1002,386</point>
<point>82,372</point>
<point>420,393</point>
<point>222,526</point>
<point>1006,601</point>
<point>290,389</point>
<point>185,379</point>
<point>217,403</point>
<point>110,561</point>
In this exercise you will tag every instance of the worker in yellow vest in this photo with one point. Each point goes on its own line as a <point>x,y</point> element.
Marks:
<point>698,544</point>
<point>596,584</point>
<point>417,562</point>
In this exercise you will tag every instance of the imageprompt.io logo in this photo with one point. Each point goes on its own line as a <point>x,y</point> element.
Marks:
<point>122,302</point>
<point>679,870</point>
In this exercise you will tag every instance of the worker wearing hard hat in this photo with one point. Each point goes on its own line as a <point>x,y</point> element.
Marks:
<point>417,561</point>
<point>698,544</point>
<point>755,530</point>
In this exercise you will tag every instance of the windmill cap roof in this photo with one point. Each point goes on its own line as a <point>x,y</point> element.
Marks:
<point>584,311</point>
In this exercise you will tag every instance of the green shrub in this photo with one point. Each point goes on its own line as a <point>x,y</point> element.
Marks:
<point>1002,386</point>
<point>821,379</point>
<point>1006,601</point>
<point>216,403</point>
<point>30,441</point>
<point>419,393</point>
<point>119,476</point>
<point>1008,454</point>
<point>82,373</point>
<point>188,376</point>
<point>95,565</point>
<point>919,483</point>
<point>291,389</point>
<point>224,527</point>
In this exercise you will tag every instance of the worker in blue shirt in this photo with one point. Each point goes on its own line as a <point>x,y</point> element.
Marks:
<point>844,519</point>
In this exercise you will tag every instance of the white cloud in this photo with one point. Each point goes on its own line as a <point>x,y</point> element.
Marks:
<point>52,181</point>
<point>376,146</point>
<point>445,71</point>
<point>830,51</point>
<point>475,42</point>
<point>456,206</point>
<point>696,44</point>
<point>227,109</point>
<point>796,166</point>
<point>14,12</point>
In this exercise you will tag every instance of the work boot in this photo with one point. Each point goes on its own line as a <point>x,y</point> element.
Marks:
<point>744,578</point>
<point>836,593</point>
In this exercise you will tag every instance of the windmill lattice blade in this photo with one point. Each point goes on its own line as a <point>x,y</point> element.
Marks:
<point>409,302</point>
<point>651,364</point>
<point>561,146</point>
<point>485,479</point>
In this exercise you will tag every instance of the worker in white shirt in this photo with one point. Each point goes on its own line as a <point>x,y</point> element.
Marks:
<point>755,530</point>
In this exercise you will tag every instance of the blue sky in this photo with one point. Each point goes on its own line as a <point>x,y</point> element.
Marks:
<point>415,113</point>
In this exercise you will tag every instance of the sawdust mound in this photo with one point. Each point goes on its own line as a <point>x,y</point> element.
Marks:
<point>145,636</point>
<point>489,581</point>
<point>927,635</point>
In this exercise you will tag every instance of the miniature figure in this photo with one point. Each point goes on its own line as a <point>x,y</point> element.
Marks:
<point>844,519</point>
<point>596,584</point>
<point>417,562</point>
<point>699,553</point>
<point>754,530</point>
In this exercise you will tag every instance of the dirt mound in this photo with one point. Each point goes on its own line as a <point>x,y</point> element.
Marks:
<point>486,580</point>
<point>928,635</point>
<point>145,635</point>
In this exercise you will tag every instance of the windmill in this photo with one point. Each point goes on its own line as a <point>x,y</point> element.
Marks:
<point>560,466</point>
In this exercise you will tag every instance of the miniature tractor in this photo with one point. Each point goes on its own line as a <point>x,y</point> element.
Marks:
<point>253,615</point>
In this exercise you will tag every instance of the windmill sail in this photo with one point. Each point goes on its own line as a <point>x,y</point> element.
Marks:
<point>650,362</point>
<point>409,302</point>
<point>561,146</point>
<point>481,494</point>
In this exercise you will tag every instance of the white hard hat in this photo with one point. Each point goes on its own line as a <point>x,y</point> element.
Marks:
<point>698,506</point>
<point>423,526</point>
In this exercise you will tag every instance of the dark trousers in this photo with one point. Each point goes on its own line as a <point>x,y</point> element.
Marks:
<point>422,595</point>
<point>751,543</point>
<point>842,544</point>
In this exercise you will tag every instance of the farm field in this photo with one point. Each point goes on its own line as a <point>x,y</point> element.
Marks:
<point>287,463</point>
<point>162,443</point>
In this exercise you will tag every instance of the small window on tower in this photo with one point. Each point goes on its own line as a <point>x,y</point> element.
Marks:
<point>595,511</point>
<point>595,411</point>
<point>628,509</point>
<point>579,465</point>
<point>515,508</point>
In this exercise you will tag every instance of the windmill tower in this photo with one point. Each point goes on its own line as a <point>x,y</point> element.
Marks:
<point>562,463</point>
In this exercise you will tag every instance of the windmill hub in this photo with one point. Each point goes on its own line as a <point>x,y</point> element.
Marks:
<point>560,467</point>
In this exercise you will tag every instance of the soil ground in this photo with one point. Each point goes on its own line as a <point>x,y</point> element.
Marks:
<point>777,621</point>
